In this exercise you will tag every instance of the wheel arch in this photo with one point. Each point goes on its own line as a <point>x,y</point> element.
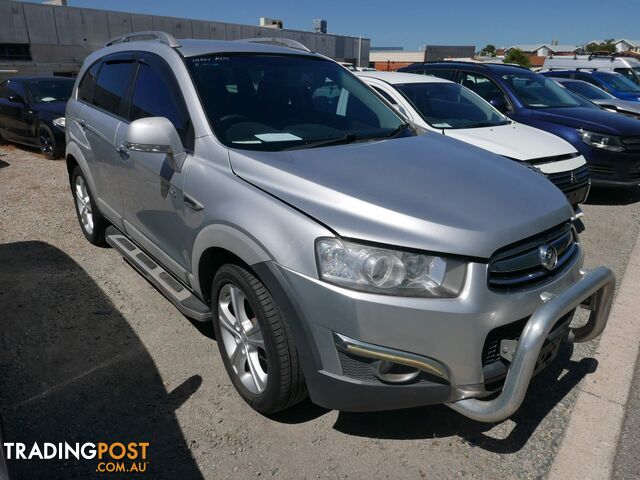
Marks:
<point>75,158</point>
<point>217,245</point>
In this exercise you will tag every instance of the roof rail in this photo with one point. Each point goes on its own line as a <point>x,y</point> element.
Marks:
<point>283,42</point>
<point>162,37</point>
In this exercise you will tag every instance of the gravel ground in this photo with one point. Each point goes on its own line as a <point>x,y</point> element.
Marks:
<point>89,351</point>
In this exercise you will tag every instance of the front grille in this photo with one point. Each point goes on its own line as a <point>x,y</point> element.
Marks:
<point>519,265</point>
<point>511,331</point>
<point>632,144</point>
<point>568,181</point>
<point>601,170</point>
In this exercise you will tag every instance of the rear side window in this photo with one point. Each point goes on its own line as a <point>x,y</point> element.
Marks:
<point>446,74</point>
<point>481,85</point>
<point>85,89</point>
<point>111,86</point>
<point>157,94</point>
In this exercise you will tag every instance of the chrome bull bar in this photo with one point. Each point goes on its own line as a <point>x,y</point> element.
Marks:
<point>594,291</point>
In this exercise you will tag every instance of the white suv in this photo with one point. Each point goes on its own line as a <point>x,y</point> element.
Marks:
<point>449,108</point>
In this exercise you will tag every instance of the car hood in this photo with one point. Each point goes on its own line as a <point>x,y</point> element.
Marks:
<point>515,140</point>
<point>620,105</point>
<point>54,108</point>
<point>426,192</point>
<point>589,119</point>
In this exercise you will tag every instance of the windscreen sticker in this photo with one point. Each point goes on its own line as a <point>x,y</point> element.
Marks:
<point>277,137</point>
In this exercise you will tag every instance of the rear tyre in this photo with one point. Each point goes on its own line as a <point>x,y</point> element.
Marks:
<point>48,143</point>
<point>92,223</point>
<point>254,342</point>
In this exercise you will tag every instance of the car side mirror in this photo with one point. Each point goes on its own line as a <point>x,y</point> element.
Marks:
<point>15,98</point>
<point>156,135</point>
<point>500,104</point>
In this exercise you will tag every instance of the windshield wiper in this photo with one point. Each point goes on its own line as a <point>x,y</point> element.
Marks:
<point>347,138</point>
<point>397,131</point>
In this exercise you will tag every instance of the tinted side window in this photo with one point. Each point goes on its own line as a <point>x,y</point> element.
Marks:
<point>446,74</point>
<point>481,85</point>
<point>111,85</point>
<point>85,89</point>
<point>157,94</point>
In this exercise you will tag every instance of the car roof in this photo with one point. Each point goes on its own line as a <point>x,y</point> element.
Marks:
<point>498,67</point>
<point>396,78</point>
<point>193,48</point>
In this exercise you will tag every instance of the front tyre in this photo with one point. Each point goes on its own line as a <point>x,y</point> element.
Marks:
<point>92,223</point>
<point>254,342</point>
<point>48,143</point>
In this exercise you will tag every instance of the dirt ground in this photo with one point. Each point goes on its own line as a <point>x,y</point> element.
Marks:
<point>89,352</point>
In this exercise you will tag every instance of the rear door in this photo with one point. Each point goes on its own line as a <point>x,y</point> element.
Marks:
<point>152,190</point>
<point>100,118</point>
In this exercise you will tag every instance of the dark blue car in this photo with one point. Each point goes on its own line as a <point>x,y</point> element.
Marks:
<point>608,141</point>
<point>617,85</point>
<point>32,112</point>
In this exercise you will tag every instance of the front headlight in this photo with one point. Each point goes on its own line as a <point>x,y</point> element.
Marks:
<point>59,122</point>
<point>390,272</point>
<point>602,141</point>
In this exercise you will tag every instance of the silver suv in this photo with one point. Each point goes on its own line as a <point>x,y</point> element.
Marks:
<point>338,253</point>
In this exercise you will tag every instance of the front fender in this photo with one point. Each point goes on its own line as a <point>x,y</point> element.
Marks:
<point>228,238</point>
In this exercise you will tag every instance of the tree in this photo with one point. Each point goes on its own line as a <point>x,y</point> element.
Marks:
<point>489,50</point>
<point>608,45</point>
<point>515,55</point>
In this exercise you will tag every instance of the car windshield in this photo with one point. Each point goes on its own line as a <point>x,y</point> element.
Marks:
<point>45,91</point>
<point>275,102</point>
<point>587,90</point>
<point>619,82</point>
<point>536,91</point>
<point>450,105</point>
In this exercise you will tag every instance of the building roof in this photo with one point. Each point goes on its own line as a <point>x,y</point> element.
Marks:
<point>538,46</point>
<point>633,43</point>
<point>395,78</point>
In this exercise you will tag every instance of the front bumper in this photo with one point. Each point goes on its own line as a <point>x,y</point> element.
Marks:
<point>446,334</point>
<point>614,169</point>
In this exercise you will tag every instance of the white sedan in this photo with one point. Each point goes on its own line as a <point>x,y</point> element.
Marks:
<point>449,108</point>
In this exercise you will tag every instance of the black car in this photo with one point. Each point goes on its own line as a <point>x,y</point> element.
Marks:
<point>32,112</point>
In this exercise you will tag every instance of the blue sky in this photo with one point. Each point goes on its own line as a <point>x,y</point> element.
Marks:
<point>413,23</point>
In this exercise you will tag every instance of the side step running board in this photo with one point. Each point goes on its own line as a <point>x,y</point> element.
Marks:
<point>185,301</point>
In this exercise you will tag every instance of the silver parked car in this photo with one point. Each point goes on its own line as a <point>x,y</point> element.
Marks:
<point>338,253</point>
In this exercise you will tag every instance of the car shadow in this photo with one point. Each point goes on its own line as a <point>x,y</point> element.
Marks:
<point>613,196</point>
<point>72,370</point>
<point>545,392</point>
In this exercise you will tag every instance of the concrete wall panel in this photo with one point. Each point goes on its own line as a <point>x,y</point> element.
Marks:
<point>96,26</point>
<point>163,24</point>
<point>233,31</point>
<point>217,31</point>
<point>200,29</point>
<point>182,28</point>
<point>141,23</point>
<point>69,26</point>
<point>41,23</point>
<point>14,28</point>
<point>119,23</point>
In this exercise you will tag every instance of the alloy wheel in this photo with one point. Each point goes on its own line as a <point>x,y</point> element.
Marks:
<point>83,201</point>
<point>45,141</point>
<point>242,338</point>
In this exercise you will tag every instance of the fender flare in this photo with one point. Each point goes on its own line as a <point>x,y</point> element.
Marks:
<point>229,238</point>
<point>74,150</point>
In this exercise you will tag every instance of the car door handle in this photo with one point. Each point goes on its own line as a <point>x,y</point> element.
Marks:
<point>192,203</point>
<point>123,151</point>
